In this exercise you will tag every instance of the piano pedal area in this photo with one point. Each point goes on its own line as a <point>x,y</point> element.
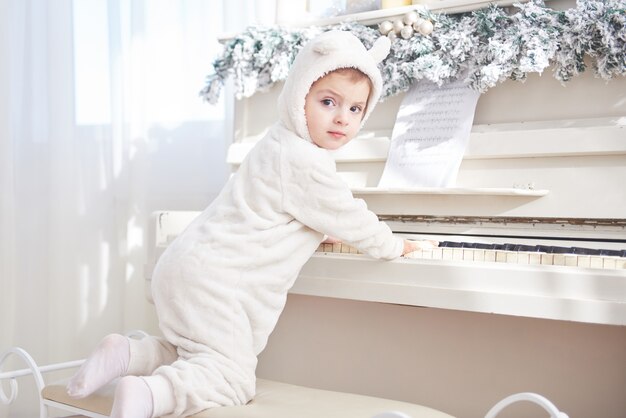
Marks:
<point>546,255</point>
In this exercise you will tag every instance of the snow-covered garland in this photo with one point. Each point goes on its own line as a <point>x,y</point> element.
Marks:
<point>491,44</point>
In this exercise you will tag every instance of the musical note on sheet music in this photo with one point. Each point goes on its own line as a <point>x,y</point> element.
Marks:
<point>430,135</point>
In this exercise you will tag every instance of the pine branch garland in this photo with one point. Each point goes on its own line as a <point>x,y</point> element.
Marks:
<point>491,45</point>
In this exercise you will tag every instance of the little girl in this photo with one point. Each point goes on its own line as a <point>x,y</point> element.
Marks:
<point>220,287</point>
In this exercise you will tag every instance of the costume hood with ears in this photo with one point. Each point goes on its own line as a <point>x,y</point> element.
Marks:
<point>328,52</point>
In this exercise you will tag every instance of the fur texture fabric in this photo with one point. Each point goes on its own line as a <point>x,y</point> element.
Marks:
<point>220,287</point>
<point>329,51</point>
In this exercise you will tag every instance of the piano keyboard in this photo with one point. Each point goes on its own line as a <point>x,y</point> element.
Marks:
<point>509,253</point>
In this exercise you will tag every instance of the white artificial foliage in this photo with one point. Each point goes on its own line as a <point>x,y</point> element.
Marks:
<point>489,45</point>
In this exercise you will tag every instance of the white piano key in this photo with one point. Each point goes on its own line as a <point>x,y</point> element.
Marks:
<point>511,257</point>
<point>413,254</point>
<point>534,258</point>
<point>500,256</point>
<point>479,255</point>
<point>571,260</point>
<point>417,254</point>
<point>558,260</point>
<point>457,254</point>
<point>584,261</point>
<point>547,259</point>
<point>523,258</point>
<point>608,263</point>
<point>595,262</point>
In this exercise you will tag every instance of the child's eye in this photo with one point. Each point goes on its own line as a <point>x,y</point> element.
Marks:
<point>356,109</point>
<point>327,102</point>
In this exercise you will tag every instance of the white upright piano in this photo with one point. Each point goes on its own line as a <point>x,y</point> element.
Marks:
<point>529,292</point>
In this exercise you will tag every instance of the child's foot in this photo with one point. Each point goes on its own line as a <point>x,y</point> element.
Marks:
<point>108,361</point>
<point>133,399</point>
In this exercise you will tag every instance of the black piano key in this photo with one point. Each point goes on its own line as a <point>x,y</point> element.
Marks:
<point>612,253</point>
<point>585,251</point>
<point>520,247</point>
<point>450,244</point>
<point>549,249</point>
<point>542,248</point>
<point>484,246</point>
<point>561,250</point>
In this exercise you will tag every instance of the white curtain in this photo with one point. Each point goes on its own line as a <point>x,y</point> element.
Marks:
<point>100,124</point>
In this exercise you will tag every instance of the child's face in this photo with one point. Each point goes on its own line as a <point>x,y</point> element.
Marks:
<point>334,108</point>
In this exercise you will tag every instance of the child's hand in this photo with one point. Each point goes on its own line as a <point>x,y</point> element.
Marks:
<point>331,240</point>
<point>410,246</point>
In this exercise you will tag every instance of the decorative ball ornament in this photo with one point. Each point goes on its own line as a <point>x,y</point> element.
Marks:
<point>385,27</point>
<point>410,24</point>
<point>406,32</point>
<point>426,27</point>
<point>410,18</point>
<point>398,24</point>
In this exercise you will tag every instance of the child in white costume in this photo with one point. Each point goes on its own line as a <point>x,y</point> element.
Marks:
<point>220,287</point>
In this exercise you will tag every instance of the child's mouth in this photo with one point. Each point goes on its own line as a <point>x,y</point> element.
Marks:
<point>336,134</point>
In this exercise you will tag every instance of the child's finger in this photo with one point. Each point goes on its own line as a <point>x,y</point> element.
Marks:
<point>426,244</point>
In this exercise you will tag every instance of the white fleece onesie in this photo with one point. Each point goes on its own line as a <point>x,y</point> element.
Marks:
<point>220,287</point>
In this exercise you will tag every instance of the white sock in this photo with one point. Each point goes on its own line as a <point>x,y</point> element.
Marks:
<point>133,399</point>
<point>163,397</point>
<point>108,361</point>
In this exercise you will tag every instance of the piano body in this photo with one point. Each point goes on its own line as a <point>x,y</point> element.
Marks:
<point>460,328</point>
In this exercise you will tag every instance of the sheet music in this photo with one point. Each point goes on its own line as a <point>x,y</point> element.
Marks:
<point>430,135</point>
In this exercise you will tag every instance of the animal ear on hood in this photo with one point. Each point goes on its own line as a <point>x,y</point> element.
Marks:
<point>380,49</point>
<point>325,46</point>
<point>329,51</point>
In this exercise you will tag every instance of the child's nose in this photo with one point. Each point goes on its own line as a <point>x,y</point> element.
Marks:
<point>341,117</point>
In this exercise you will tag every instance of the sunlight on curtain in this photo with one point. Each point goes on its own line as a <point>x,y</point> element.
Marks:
<point>100,124</point>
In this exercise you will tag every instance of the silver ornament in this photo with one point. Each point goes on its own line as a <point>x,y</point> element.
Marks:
<point>385,27</point>
<point>417,23</point>
<point>410,18</point>
<point>426,27</point>
<point>398,24</point>
<point>406,32</point>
